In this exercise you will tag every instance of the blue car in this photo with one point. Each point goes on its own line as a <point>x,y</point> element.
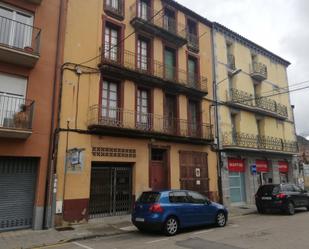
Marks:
<point>169,211</point>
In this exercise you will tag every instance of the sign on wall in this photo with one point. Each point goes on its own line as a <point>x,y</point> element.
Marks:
<point>236,165</point>
<point>283,167</point>
<point>261,166</point>
<point>75,160</point>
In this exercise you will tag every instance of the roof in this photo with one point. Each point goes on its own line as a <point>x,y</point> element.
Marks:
<point>219,27</point>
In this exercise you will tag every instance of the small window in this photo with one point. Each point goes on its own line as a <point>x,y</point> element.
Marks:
<point>149,197</point>
<point>196,198</point>
<point>178,197</point>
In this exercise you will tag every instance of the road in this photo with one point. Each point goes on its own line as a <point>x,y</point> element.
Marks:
<point>271,231</point>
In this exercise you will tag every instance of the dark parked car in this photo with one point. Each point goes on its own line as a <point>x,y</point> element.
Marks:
<point>284,197</point>
<point>169,211</point>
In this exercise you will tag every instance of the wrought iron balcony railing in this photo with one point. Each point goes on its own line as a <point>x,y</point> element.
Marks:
<point>19,36</point>
<point>266,104</point>
<point>259,71</point>
<point>252,141</point>
<point>114,8</point>
<point>231,62</point>
<point>152,68</point>
<point>147,122</point>
<point>16,113</point>
<point>149,18</point>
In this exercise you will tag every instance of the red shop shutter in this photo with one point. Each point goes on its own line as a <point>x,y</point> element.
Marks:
<point>236,165</point>
<point>283,167</point>
<point>261,166</point>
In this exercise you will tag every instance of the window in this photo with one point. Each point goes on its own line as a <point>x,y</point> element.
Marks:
<point>170,64</point>
<point>143,118</point>
<point>143,9</point>
<point>110,100</point>
<point>170,112</point>
<point>149,197</point>
<point>16,27</point>
<point>114,4</point>
<point>197,198</point>
<point>169,22</point>
<point>192,33</point>
<point>192,71</point>
<point>143,54</point>
<point>178,197</point>
<point>193,118</point>
<point>234,128</point>
<point>111,43</point>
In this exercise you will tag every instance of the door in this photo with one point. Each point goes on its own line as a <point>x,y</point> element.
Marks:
<point>237,187</point>
<point>194,119</point>
<point>110,113</point>
<point>169,64</point>
<point>110,190</point>
<point>17,183</point>
<point>143,10</point>
<point>170,111</point>
<point>158,167</point>
<point>169,22</point>
<point>184,210</point>
<point>192,72</point>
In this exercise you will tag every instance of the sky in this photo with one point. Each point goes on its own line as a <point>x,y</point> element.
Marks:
<point>281,26</point>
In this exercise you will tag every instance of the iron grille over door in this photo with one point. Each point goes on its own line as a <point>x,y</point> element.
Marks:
<point>111,190</point>
<point>17,192</point>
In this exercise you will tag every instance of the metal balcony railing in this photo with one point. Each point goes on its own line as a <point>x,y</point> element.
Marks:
<point>19,36</point>
<point>147,66</point>
<point>147,122</point>
<point>158,18</point>
<point>253,141</point>
<point>267,104</point>
<point>115,7</point>
<point>16,113</point>
<point>259,71</point>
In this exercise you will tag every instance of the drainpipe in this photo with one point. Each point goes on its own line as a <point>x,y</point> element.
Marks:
<point>50,188</point>
<point>215,104</point>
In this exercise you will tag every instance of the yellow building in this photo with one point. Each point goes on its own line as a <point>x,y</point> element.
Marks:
<point>255,119</point>
<point>134,113</point>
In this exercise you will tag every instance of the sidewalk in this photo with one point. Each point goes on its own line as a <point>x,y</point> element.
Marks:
<point>26,239</point>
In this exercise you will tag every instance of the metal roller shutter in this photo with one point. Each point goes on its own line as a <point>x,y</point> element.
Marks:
<point>17,192</point>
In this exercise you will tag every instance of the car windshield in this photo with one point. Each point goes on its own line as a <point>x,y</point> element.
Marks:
<point>149,197</point>
<point>268,190</point>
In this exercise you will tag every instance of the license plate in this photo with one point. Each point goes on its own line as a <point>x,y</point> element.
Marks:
<point>140,219</point>
<point>266,198</point>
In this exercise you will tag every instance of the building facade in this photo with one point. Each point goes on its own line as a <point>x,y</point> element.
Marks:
<point>28,47</point>
<point>135,113</point>
<point>255,119</point>
<point>303,161</point>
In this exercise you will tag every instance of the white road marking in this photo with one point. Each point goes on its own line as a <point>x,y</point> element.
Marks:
<point>128,229</point>
<point>81,245</point>
<point>204,231</point>
<point>155,241</point>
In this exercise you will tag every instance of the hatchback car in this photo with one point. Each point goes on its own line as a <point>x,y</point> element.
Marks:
<point>284,197</point>
<point>169,211</point>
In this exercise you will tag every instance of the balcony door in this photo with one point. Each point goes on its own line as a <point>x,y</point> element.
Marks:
<point>192,72</point>
<point>169,21</point>
<point>170,64</point>
<point>193,118</point>
<point>16,27</point>
<point>12,98</point>
<point>144,10</point>
<point>110,111</point>
<point>143,116</point>
<point>114,4</point>
<point>143,53</point>
<point>170,113</point>
<point>111,48</point>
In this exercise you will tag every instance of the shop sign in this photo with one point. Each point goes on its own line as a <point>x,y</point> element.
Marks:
<point>236,165</point>
<point>261,166</point>
<point>283,167</point>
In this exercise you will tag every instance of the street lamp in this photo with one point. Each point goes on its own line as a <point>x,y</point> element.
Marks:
<point>235,72</point>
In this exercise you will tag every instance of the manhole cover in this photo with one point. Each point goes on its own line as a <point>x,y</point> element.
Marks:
<point>198,243</point>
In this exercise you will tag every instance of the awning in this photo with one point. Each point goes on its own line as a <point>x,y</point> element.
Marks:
<point>283,167</point>
<point>261,166</point>
<point>236,165</point>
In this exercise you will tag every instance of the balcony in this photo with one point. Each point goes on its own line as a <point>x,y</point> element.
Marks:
<point>114,9</point>
<point>236,140</point>
<point>129,123</point>
<point>193,42</point>
<point>19,43</point>
<point>264,106</point>
<point>156,23</point>
<point>153,73</point>
<point>34,1</point>
<point>231,66</point>
<point>16,116</point>
<point>258,71</point>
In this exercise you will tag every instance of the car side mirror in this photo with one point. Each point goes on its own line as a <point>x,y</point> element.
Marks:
<point>207,202</point>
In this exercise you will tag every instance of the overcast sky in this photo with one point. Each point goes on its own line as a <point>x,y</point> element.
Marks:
<point>281,26</point>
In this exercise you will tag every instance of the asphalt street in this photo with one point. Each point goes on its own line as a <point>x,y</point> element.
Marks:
<point>270,231</point>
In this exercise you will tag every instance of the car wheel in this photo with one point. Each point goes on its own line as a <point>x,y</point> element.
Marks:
<point>290,208</point>
<point>220,219</point>
<point>171,226</point>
